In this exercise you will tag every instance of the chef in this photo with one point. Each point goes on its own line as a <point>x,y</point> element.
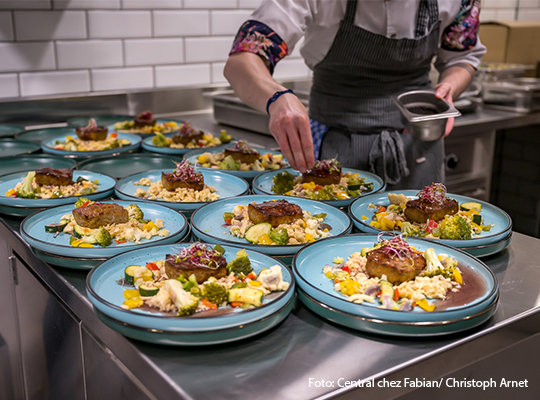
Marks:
<point>361,52</point>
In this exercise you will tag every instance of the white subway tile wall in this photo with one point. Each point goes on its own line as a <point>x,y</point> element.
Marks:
<point>50,47</point>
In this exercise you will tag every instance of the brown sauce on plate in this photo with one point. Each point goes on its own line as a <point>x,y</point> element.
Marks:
<point>472,288</point>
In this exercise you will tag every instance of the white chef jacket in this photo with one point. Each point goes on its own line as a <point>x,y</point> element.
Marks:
<point>318,22</point>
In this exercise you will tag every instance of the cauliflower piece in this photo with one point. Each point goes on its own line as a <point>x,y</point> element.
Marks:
<point>272,279</point>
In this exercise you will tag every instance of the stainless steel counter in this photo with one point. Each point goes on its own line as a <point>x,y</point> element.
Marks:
<point>280,364</point>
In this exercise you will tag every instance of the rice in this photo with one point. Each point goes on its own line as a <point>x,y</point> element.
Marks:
<point>185,195</point>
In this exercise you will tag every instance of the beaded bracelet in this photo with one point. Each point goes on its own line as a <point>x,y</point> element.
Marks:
<point>274,97</point>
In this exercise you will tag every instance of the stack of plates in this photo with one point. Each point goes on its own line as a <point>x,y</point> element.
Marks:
<point>56,249</point>
<point>211,327</point>
<point>487,243</point>
<point>207,223</point>
<point>317,292</point>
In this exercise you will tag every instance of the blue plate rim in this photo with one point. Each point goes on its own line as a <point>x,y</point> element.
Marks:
<point>54,245</point>
<point>25,142</point>
<point>345,301</point>
<point>273,246</point>
<point>292,285</point>
<point>326,201</point>
<point>70,197</point>
<point>180,202</point>
<point>508,227</point>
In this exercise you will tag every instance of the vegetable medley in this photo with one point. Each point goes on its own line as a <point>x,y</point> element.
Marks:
<point>75,144</point>
<point>240,287</point>
<point>440,276</point>
<point>207,140</point>
<point>30,189</point>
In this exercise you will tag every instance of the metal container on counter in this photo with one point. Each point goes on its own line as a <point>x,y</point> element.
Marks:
<point>515,94</point>
<point>423,114</point>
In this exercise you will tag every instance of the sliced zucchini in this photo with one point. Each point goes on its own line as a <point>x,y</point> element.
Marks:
<point>246,295</point>
<point>71,146</point>
<point>387,289</point>
<point>79,231</point>
<point>134,272</point>
<point>146,290</point>
<point>477,219</point>
<point>256,231</point>
<point>470,205</point>
<point>239,285</point>
<point>354,187</point>
<point>56,226</point>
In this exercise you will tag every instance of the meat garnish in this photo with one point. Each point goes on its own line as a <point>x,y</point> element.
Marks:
<point>395,259</point>
<point>51,176</point>
<point>145,118</point>
<point>92,131</point>
<point>324,172</point>
<point>187,134</point>
<point>274,212</point>
<point>241,151</point>
<point>198,259</point>
<point>432,203</point>
<point>184,176</point>
<point>96,215</point>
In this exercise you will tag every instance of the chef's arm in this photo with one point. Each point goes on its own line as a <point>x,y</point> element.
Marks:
<point>452,82</point>
<point>289,121</point>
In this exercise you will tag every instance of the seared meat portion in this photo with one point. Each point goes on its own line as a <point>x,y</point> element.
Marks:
<point>397,270</point>
<point>322,174</point>
<point>145,118</point>
<point>274,212</point>
<point>241,151</point>
<point>420,210</point>
<point>175,269</point>
<point>187,134</point>
<point>97,133</point>
<point>100,214</point>
<point>171,181</point>
<point>51,176</point>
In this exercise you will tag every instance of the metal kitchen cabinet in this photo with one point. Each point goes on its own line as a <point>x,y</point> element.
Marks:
<point>50,341</point>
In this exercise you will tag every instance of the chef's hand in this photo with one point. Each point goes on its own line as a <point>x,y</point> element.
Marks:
<point>289,124</point>
<point>445,91</point>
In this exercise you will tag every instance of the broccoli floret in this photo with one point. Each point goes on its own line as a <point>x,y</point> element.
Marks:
<point>240,265</point>
<point>214,293</point>
<point>113,145</point>
<point>134,212</point>
<point>224,137</point>
<point>229,164</point>
<point>408,229</point>
<point>324,193</point>
<point>99,236</point>
<point>81,201</point>
<point>282,182</point>
<point>279,235</point>
<point>435,267</point>
<point>71,146</point>
<point>26,191</point>
<point>159,140</point>
<point>456,228</point>
<point>184,301</point>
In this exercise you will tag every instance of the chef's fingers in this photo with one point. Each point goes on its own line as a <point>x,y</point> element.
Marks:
<point>449,127</point>
<point>306,140</point>
<point>291,125</point>
<point>443,90</point>
<point>283,142</point>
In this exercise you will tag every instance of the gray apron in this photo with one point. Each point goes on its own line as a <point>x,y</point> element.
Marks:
<point>350,95</point>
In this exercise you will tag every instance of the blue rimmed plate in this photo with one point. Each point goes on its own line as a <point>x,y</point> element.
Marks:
<point>262,184</point>
<point>481,243</point>
<point>248,175</point>
<point>474,304</point>
<point>39,135</point>
<point>148,145</point>
<point>47,146</point>
<point>221,326</point>
<point>9,130</point>
<point>33,231</point>
<point>33,161</point>
<point>207,221</point>
<point>127,164</point>
<point>158,120</point>
<point>24,207</point>
<point>14,147</point>
<point>101,120</point>
<point>227,186</point>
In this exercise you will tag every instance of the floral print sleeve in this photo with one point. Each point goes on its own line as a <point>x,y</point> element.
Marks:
<point>258,38</point>
<point>463,33</point>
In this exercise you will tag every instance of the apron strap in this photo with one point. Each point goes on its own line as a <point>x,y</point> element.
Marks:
<point>389,145</point>
<point>350,13</point>
<point>428,15</point>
